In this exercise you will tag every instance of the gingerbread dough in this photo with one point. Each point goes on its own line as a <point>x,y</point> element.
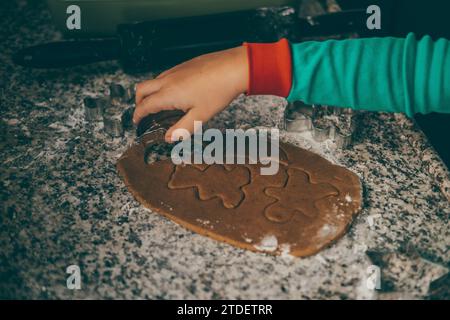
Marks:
<point>305,207</point>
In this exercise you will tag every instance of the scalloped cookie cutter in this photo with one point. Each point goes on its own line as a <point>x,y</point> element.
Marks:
<point>323,122</point>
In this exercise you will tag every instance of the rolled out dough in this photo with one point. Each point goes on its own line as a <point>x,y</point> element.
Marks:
<point>304,208</point>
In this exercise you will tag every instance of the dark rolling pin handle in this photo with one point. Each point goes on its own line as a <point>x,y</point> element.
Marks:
<point>68,53</point>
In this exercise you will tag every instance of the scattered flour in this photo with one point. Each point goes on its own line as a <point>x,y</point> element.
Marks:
<point>321,259</point>
<point>371,219</point>
<point>286,251</point>
<point>268,243</point>
<point>203,222</point>
<point>326,231</point>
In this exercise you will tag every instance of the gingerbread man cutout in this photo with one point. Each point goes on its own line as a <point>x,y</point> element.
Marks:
<point>214,181</point>
<point>288,204</point>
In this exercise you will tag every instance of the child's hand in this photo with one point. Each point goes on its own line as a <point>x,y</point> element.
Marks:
<point>200,87</point>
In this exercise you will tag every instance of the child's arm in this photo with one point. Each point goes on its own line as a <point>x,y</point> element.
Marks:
<point>380,74</point>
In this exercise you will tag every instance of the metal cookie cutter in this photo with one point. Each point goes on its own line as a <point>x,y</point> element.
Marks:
<point>151,131</point>
<point>93,109</point>
<point>115,110</point>
<point>323,122</point>
<point>298,118</point>
<point>122,94</point>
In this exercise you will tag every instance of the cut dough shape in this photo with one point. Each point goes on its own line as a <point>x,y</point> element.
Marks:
<point>305,207</point>
<point>302,202</point>
<point>226,185</point>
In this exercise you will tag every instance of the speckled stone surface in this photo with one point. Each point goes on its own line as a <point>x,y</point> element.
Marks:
<point>63,203</point>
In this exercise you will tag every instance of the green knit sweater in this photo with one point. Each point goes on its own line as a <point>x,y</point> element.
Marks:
<point>378,74</point>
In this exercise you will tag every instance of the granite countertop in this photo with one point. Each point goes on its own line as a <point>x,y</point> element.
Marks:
<point>62,202</point>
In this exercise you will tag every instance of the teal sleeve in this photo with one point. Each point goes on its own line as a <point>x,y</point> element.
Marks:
<point>377,74</point>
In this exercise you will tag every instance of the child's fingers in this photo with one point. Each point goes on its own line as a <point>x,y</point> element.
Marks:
<point>163,74</point>
<point>171,70</point>
<point>187,123</point>
<point>146,88</point>
<point>167,72</point>
<point>152,104</point>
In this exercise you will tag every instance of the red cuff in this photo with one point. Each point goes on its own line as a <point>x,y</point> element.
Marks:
<point>270,68</point>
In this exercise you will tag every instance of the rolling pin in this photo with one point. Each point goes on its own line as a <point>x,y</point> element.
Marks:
<point>155,45</point>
